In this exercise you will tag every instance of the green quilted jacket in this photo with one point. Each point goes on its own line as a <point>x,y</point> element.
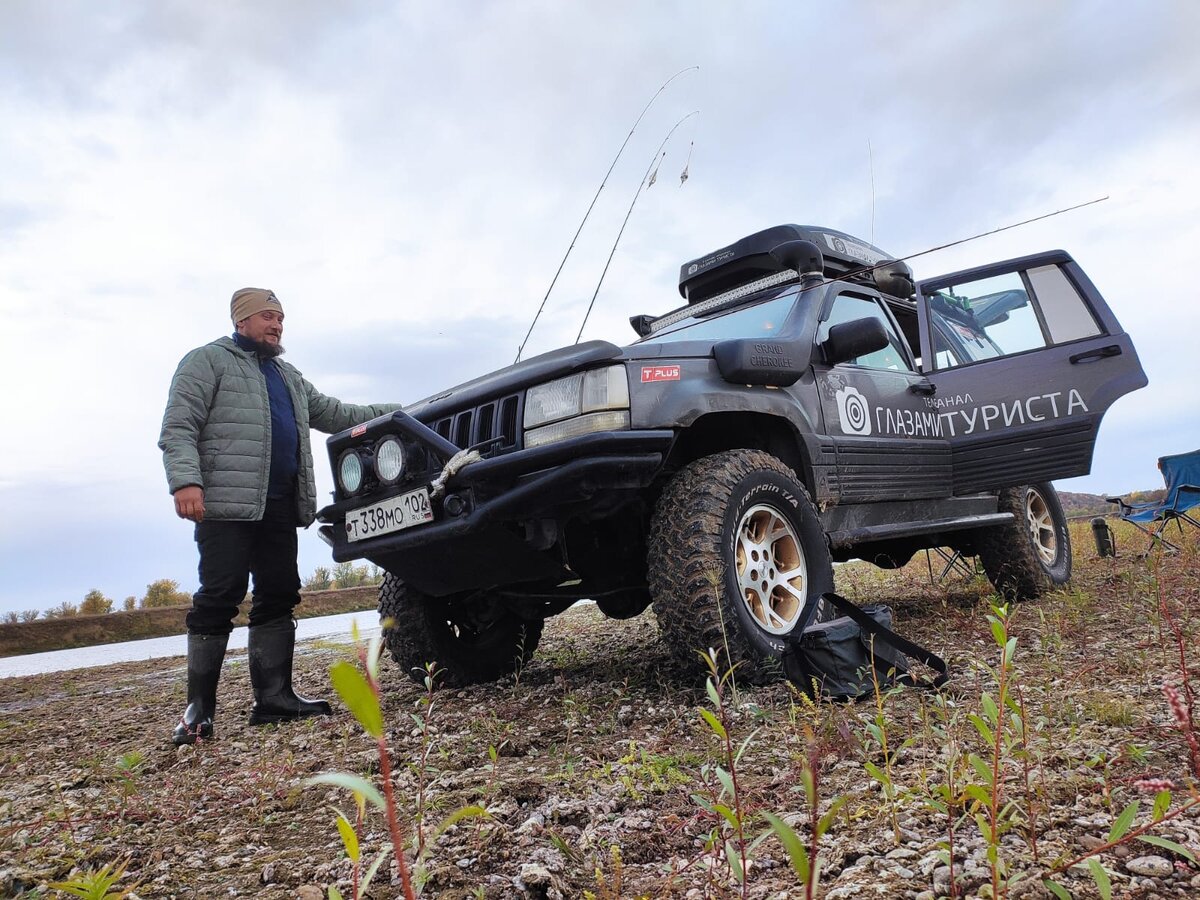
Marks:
<point>216,432</point>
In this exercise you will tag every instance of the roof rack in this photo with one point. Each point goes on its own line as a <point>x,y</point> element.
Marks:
<point>751,259</point>
<point>776,256</point>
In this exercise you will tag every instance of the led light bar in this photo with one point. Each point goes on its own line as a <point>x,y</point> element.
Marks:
<point>712,303</point>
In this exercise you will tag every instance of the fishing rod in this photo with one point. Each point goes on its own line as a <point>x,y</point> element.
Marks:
<point>976,237</point>
<point>887,262</point>
<point>654,159</point>
<point>604,181</point>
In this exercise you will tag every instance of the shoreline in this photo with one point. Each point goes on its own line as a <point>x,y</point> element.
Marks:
<point>44,635</point>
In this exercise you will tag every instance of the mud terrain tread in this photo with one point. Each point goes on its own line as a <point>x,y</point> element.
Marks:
<point>424,637</point>
<point>687,570</point>
<point>1007,552</point>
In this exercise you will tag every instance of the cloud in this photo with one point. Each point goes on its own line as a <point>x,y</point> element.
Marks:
<point>408,177</point>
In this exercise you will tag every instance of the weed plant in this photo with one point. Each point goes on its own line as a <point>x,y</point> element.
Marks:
<point>728,847</point>
<point>726,843</point>
<point>97,885</point>
<point>876,732</point>
<point>359,690</point>
<point>805,860</point>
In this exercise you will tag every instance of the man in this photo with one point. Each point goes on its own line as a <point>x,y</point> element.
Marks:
<point>235,442</point>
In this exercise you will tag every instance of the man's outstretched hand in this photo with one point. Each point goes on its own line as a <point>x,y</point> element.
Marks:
<point>189,503</point>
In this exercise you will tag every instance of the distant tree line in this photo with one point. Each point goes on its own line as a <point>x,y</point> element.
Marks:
<point>163,592</point>
<point>344,575</point>
<point>166,592</point>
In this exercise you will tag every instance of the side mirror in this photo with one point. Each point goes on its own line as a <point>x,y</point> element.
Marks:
<point>850,340</point>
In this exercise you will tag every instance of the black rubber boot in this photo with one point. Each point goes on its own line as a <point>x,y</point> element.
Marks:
<point>205,654</point>
<point>272,647</point>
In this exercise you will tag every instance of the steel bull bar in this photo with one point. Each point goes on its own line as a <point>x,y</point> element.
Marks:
<point>521,484</point>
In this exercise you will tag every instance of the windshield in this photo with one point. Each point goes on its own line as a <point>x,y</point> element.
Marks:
<point>762,319</point>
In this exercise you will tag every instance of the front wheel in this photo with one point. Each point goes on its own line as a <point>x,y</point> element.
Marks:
<point>472,637</point>
<point>737,561</point>
<point>1032,554</point>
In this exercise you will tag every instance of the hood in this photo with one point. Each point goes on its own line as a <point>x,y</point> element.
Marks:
<point>513,378</point>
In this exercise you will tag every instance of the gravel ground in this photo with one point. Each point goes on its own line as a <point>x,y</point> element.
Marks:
<point>599,773</point>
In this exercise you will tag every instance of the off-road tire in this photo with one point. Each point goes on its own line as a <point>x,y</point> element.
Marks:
<point>422,631</point>
<point>1032,554</point>
<point>693,560</point>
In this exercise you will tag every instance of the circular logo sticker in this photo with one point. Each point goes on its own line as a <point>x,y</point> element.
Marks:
<point>854,411</point>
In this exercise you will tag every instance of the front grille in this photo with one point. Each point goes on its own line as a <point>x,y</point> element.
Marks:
<point>496,420</point>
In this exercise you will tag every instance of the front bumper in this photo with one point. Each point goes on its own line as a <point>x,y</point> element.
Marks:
<point>486,544</point>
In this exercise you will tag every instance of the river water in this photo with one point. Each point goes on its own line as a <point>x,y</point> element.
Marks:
<point>330,628</point>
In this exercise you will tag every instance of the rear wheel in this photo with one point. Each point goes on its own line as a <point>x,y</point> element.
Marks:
<point>472,637</point>
<point>1032,554</point>
<point>737,561</point>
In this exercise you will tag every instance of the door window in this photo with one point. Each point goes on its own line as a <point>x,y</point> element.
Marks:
<point>847,308</point>
<point>1067,316</point>
<point>1006,314</point>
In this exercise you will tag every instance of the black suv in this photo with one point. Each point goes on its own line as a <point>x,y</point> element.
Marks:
<point>808,403</point>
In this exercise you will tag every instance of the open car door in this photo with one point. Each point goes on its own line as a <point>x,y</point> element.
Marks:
<point>1024,357</point>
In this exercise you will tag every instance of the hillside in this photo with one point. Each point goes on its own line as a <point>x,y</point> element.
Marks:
<point>1076,504</point>
<point>601,778</point>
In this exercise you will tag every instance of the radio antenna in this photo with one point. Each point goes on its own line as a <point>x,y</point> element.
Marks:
<point>871,162</point>
<point>653,160</point>
<point>604,181</point>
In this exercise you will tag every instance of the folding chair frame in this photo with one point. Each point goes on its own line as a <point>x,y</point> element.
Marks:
<point>955,562</point>
<point>1164,515</point>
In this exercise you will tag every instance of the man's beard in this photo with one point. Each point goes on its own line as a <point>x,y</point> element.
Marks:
<point>267,351</point>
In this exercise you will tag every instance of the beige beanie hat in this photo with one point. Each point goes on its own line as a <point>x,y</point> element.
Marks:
<point>248,301</point>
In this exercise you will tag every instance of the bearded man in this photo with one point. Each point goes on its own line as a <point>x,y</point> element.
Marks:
<point>235,443</point>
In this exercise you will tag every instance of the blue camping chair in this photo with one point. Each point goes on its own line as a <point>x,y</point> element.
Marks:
<point>1181,475</point>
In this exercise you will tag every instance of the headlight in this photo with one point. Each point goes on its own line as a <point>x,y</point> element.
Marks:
<point>578,404</point>
<point>350,471</point>
<point>389,460</point>
<point>599,389</point>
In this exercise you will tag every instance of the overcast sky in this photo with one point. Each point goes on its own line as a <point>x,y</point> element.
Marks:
<point>407,177</point>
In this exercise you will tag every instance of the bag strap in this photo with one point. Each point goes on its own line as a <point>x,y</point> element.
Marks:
<point>889,637</point>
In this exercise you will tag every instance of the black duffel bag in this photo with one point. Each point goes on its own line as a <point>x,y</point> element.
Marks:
<point>835,659</point>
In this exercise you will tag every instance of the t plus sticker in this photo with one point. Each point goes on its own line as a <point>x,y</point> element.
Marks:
<point>660,373</point>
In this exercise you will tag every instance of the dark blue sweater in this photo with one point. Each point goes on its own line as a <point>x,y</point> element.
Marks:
<point>285,440</point>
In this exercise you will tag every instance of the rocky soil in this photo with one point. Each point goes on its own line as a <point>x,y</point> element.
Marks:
<point>599,773</point>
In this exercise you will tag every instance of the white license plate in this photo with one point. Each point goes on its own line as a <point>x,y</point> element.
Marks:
<point>391,515</point>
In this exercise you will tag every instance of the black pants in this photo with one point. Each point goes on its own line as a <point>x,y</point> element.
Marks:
<point>232,551</point>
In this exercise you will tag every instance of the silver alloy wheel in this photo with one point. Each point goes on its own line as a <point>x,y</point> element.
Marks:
<point>771,569</point>
<point>1041,527</point>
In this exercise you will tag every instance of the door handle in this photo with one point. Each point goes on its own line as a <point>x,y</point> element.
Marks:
<point>1101,353</point>
<point>923,387</point>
